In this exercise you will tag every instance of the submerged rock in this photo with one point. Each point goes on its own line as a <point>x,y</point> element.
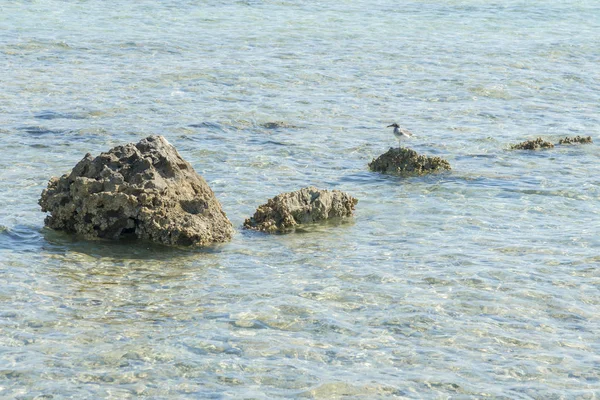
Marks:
<point>406,162</point>
<point>145,189</point>
<point>576,139</point>
<point>287,210</point>
<point>534,144</point>
<point>277,125</point>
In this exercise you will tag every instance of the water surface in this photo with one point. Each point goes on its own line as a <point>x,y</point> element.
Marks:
<point>482,282</point>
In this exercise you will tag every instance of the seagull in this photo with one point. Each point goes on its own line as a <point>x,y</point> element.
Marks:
<point>400,132</point>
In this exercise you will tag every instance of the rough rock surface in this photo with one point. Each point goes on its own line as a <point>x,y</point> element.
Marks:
<point>403,161</point>
<point>287,210</point>
<point>534,144</point>
<point>576,139</point>
<point>145,189</point>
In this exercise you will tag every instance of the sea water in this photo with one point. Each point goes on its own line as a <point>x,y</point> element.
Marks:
<point>480,282</point>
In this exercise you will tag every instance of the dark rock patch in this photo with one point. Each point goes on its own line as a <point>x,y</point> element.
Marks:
<point>277,125</point>
<point>534,144</point>
<point>575,140</point>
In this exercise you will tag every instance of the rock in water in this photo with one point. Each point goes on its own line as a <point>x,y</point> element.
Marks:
<point>575,140</point>
<point>284,211</point>
<point>407,162</point>
<point>534,144</point>
<point>277,125</point>
<point>145,189</point>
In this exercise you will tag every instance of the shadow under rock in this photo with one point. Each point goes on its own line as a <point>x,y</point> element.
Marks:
<point>128,248</point>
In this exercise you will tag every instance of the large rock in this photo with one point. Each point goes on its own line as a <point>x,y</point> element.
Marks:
<point>407,162</point>
<point>535,144</point>
<point>287,210</point>
<point>144,189</point>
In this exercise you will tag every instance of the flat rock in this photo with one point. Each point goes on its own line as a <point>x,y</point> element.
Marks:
<point>534,144</point>
<point>407,162</point>
<point>145,189</point>
<point>287,210</point>
<point>576,140</point>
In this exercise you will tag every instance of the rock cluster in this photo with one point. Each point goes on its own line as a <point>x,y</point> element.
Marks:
<point>534,144</point>
<point>407,162</point>
<point>539,143</point>
<point>287,210</point>
<point>145,189</point>
<point>576,139</point>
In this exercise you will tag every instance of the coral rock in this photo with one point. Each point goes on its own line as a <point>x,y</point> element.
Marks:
<point>287,210</point>
<point>145,189</point>
<point>535,144</point>
<point>406,162</point>
<point>576,139</point>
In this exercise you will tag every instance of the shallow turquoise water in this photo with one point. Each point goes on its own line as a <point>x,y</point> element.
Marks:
<point>482,282</point>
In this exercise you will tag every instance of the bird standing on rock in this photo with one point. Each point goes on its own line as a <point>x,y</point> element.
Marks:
<point>400,132</point>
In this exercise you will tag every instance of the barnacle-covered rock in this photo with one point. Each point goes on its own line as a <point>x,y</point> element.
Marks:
<point>534,144</point>
<point>575,140</point>
<point>407,162</point>
<point>287,210</point>
<point>145,189</point>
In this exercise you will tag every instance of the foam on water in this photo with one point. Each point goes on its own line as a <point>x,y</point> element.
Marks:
<point>479,282</point>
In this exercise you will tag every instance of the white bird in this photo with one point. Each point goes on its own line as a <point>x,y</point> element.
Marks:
<point>400,132</point>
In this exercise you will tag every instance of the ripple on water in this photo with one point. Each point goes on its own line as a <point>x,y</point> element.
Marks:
<point>20,238</point>
<point>41,131</point>
<point>50,115</point>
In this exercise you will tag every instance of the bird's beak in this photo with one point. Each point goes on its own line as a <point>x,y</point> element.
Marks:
<point>389,126</point>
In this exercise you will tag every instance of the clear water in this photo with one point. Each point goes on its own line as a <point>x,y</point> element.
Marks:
<point>482,282</point>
